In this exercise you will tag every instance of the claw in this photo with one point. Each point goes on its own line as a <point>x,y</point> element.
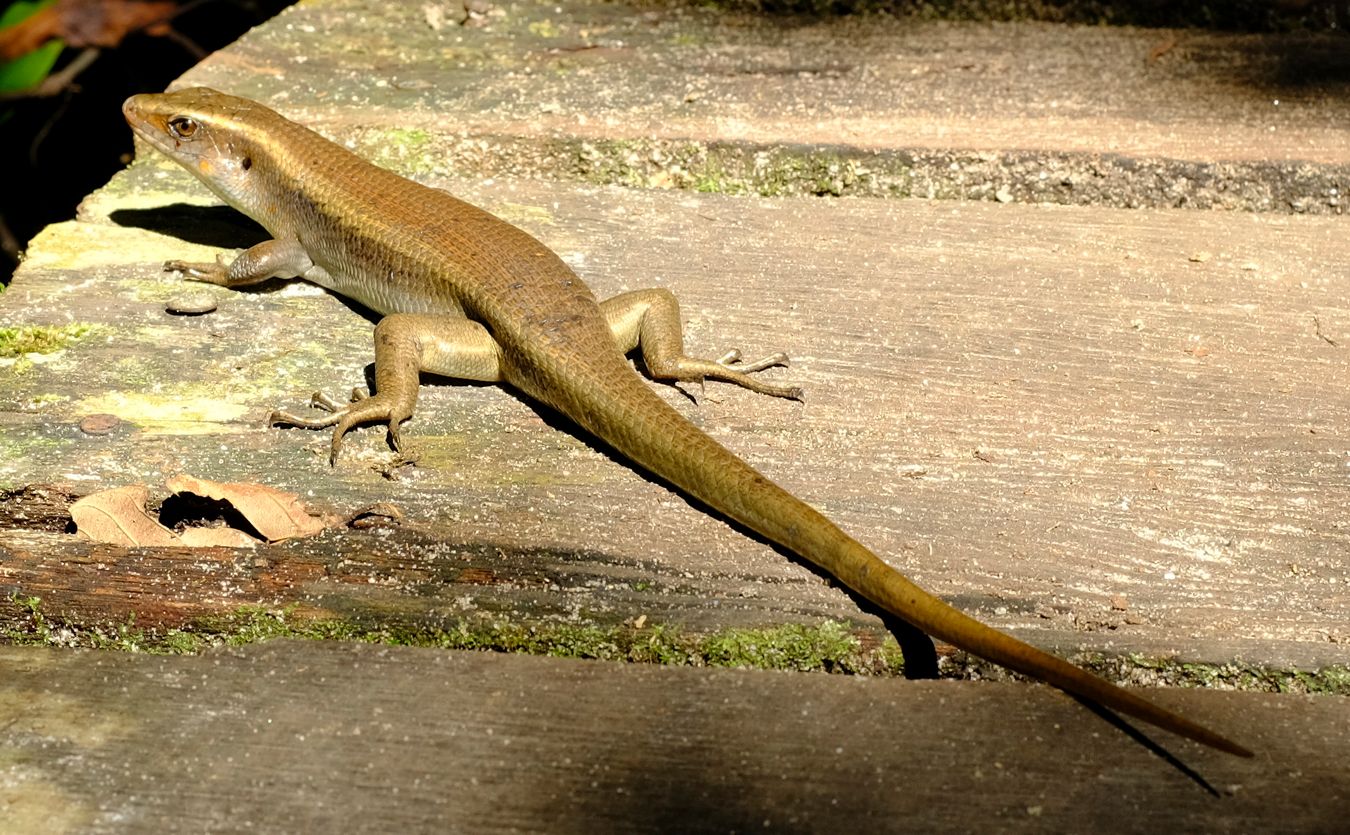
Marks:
<point>198,271</point>
<point>733,359</point>
<point>278,417</point>
<point>319,400</point>
<point>344,424</point>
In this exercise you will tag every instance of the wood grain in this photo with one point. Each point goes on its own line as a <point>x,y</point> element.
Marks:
<point>311,736</point>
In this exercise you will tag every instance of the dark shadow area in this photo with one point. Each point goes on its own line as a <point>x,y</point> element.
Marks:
<point>921,659</point>
<point>1303,64</point>
<point>218,226</point>
<point>1153,747</point>
<point>187,510</point>
<point>1235,15</point>
<point>1323,63</point>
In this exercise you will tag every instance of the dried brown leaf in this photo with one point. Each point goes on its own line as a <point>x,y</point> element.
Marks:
<point>118,517</point>
<point>82,23</point>
<point>275,514</point>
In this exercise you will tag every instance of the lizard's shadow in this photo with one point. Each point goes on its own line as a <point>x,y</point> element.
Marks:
<point>218,226</point>
<point>222,227</point>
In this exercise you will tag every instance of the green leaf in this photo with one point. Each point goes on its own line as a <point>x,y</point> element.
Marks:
<point>27,70</point>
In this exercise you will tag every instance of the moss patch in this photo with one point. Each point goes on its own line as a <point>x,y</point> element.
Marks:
<point>17,342</point>
<point>1328,680</point>
<point>732,168</point>
<point>409,150</point>
<point>828,646</point>
<point>825,647</point>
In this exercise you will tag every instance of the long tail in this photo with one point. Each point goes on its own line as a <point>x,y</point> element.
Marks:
<point>865,573</point>
<point>637,423</point>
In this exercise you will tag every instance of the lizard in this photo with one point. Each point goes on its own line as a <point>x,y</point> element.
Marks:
<point>464,294</point>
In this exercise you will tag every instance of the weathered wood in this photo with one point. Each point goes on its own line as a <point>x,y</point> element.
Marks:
<point>310,737</point>
<point>1103,430</point>
<point>1056,419</point>
<point>865,105</point>
<point>1117,424</point>
<point>413,577</point>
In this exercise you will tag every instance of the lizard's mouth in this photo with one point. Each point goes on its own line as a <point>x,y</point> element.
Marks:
<point>146,123</point>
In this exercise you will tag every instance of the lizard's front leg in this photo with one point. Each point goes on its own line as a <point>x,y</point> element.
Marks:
<point>280,258</point>
<point>406,344</point>
<point>650,320</point>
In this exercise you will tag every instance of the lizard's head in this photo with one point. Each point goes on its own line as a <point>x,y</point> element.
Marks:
<point>215,136</point>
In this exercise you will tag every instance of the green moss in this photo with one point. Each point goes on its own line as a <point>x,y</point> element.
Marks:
<point>773,170</point>
<point>731,168</point>
<point>30,608</point>
<point>1234,676</point>
<point>178,642</point>
<point>20,447</point>
<point>16,342</point>
<point>245,625</point>
<point>828,646</point>
<point>410,151</point>
<point>713,177</point>
<point>545,29</point>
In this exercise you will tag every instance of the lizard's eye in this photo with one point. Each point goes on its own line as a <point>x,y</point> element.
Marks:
<point>182,126</point>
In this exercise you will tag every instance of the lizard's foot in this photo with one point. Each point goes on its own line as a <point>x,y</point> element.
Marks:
<point>199,271</point>
<point>650,320</point>
<point>731,368</point>
<point>377,408</point>
<point>319,400</point>
<point>732,359</point>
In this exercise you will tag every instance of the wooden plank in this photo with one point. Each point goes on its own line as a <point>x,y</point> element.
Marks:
<point>312,736</point>
<point>865,105</point>
<point>1119,430</point>
<point>1103,430</point>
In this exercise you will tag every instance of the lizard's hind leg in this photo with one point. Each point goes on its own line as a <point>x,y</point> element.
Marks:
<point>406,344</point>
<point>650,320</point>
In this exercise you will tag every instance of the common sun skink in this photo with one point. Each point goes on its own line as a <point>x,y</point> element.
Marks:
<point>464,294</point>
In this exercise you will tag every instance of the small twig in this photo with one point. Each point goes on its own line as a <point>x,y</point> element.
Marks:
<point>58,82</point>
<point>189,45</point>
<point>1317,328</point>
